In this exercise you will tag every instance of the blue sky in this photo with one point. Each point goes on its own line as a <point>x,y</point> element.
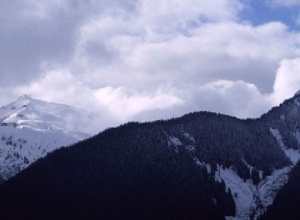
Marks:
<point>151,59</point>
<point>262,11</point>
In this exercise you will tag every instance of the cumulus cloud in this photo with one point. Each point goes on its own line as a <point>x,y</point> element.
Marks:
<point>129,58</point>
<point>145,59</point>
<point>107,106</point>
<point>236,98</point>
<point>287,81</point>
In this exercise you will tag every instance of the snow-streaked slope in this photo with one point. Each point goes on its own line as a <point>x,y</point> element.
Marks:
<point>292,154</point>
<point>30,128</point>
<point>43,116</point>
<point>252,201</point>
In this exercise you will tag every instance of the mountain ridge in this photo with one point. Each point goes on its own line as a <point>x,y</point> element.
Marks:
<point>248,161</point>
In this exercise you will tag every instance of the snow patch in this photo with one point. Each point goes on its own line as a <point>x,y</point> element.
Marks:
<point>268,189</point>
<point>202,164</point>
<point>252,201</point>
<point>292,154</point>
<point>175,141</point>
<point>190,148</point>
<point>189,137</point>
<point>276,133</point>
<point>242,192</point>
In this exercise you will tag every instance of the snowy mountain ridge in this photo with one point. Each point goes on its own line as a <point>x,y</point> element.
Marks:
<point>30,128</point>
<point>252,158</point>
<point>42,116</point>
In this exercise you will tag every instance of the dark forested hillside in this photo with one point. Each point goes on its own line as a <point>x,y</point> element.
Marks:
<point>159,170</point>
<point>112,176</point>
<point>286,118</point>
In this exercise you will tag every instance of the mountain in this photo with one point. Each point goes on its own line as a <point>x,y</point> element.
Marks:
<point>200,166</point>
<point>30,128</point>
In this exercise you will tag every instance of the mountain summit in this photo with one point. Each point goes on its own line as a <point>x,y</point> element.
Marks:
<point>30,128</point>
<point>38,115</point>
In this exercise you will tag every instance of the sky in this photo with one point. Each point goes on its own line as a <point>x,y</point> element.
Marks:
<point>142,60</point>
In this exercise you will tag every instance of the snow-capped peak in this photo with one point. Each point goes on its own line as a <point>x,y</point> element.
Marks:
<point>34,114</point>
<point>31,128</point>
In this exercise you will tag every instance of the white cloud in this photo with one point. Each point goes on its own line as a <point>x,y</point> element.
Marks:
<point>125,106</point>
<point>108,105</point>
<point>146,59</point>
<point>237,98</point>
<point>165,16</point>
<point>287,81</point>
<point>114,105</point>
<point>133,58</point>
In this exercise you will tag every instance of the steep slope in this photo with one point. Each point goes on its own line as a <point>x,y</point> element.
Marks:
<point>285,122</point>
<point>31,128</point>
<point>286,203</point>
<point>191,167</point>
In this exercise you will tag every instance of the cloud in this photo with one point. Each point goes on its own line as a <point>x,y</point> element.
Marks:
<point>176,15</point>
<point>283,3</point>
<point>145,59</point>
<point>37,34</point>
<point>108,105</point>
<point>127,59</point>
<point>27,42</point>
<point>125,106</point>
<point>287,81</point>
<point>236,98</point>
<point>112,106</point>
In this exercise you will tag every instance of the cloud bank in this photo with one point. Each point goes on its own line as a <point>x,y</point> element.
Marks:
<point>146,60</point>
